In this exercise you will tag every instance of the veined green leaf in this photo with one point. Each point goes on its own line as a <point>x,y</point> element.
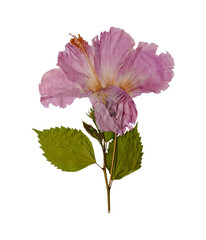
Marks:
<point>68,149</point>
<point>128,154</point>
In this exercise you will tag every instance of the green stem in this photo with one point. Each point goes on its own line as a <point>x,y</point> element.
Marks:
<point>112,166</point>
<point>108,189</point>
<point>105,177</point>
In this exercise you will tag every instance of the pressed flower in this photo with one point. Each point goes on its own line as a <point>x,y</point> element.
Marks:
<point>110,72</point>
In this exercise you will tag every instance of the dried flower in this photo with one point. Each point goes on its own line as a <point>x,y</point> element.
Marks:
<point>110,72</point>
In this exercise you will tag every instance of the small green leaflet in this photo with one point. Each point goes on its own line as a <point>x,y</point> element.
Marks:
<point>68,149</point>
<point>98,135</point>
<point>128,154</point>
<point>92,131</point>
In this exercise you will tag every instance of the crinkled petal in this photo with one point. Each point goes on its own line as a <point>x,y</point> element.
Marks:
<point>110,52</point>
<point>145,71</point>
<point>114,109</point>
<point>57,89</point>
<point>75,64</point>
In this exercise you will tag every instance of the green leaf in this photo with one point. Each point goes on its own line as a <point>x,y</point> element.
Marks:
<point>128,154</point>
<point>92,131</point>
<point>109,136</point>
<point>68,149</point>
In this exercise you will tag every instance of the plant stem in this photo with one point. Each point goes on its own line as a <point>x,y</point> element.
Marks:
<point>105,176</point>
<point>108,189</point>
<point>112,166</point>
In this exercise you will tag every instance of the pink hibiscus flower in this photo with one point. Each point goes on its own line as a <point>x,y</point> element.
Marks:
<point>110,72</point>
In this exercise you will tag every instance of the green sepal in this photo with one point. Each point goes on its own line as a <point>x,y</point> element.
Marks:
<point>92,131</point>
<point>68,149</point>
<point>128,154</point>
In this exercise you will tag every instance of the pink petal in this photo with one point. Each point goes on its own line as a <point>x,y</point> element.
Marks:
<point>114,109</point>
<point>111,51</point>
<point>145,71</point>
<point>76,66</point>
<point>57,89</point>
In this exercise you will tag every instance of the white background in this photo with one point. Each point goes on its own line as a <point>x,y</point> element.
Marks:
<point>166,198</point>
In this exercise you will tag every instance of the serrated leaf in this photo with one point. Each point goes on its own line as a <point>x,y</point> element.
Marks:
<point>109,136</point>
<point>68,149</point>
<point>128,154</point>
<point>92,131</point>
